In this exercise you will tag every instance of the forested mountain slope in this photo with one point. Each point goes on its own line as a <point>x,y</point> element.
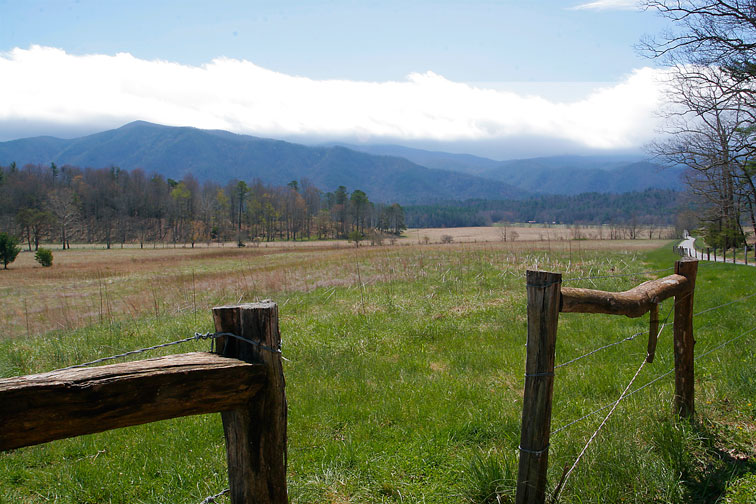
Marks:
<point>222,156</point>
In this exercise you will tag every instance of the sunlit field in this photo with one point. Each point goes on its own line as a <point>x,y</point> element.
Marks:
<point>89,285</point>
<point>405,371</point>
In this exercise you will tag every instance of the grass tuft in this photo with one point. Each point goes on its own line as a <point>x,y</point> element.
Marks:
<point>490,479</point>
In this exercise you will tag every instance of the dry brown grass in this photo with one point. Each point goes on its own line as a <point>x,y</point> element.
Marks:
<point>88,285</point>
<point>527,233</point>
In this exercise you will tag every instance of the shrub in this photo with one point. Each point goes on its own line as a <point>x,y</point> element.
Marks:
<point>447,238</point>
<point>376,238</point>
<point>9,249</point>
<point>44,257</point>
<point>355,237</point>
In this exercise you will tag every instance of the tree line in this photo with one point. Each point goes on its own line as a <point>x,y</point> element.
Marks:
<point>650,208</point>
<point>710,111</point>
<point>112,206</point>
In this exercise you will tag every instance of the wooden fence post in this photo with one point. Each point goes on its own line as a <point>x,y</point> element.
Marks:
<point>653,332</point>
<point>256,433</point>
<point>683,339</point>
<point>543,314</point>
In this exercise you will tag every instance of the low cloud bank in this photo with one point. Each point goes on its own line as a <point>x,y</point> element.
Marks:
<point>44,85</point>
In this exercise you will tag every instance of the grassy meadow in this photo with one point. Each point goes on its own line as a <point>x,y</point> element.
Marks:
<point>405,372</point>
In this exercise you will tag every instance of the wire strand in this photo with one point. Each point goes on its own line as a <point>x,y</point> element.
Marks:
<point>560,487</point>
<point>663,325</point>
<point>753,329</point>
<point>629,338</point>
<point>621,275</point>
<point>667,373</point>
<point>197,336</point>
<point>212,498</point>
<point>724,304</point>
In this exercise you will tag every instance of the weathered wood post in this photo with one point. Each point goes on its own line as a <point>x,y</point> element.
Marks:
<point>683,339</point>
<point>543,314</point>
<point>708,254</point>
<point>255,433</point>
<point>653,332</point>
<point>715,254</point>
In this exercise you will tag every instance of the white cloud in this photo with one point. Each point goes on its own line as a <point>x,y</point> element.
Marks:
<point>609,5</point>
<point>47,85</point>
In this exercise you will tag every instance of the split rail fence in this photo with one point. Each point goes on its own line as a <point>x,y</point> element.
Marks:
<point>243,380</point>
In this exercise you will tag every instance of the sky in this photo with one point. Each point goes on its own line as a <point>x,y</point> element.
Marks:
<point>502,79</point>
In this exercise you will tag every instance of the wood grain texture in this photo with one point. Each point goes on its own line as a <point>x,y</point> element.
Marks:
<point>653,333</point>
<point>255,433</point>
<point>632,303</point>
<point>543,314</point>
<point>684,340</point>
<point>40,408</point>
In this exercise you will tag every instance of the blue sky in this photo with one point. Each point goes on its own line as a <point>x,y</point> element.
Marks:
<point>478,74</point>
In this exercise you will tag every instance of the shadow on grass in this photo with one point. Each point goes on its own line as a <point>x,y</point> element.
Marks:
<point>713,466</point>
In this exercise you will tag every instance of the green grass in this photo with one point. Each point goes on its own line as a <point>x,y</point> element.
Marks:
<point>409,389</point>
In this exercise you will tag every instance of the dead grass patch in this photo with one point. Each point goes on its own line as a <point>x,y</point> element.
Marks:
<point>90,285</point>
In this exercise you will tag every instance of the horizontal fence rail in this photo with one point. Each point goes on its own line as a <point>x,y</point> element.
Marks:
<point>633,303</point>
<point>243,380</point>
<point>49,406</point>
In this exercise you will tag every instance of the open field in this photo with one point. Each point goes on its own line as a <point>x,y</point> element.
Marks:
<point>405,373</point>
<point>93,285</point>
<point>529,233</point>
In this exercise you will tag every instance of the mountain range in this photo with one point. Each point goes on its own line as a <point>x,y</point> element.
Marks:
<point>386,173</point>
<point>565,175</point>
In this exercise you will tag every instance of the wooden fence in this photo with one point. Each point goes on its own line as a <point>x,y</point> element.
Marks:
<point>242,381</point>
<point>709,253</point>
<point>546,299</point>
<point>245,383</point>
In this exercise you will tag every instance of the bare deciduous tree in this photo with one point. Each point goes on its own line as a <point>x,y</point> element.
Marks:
<point>711,112</point>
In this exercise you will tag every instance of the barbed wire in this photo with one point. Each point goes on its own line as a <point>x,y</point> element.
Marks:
<point>212,498</point>
<point>620,275</point>
<point>629,338</point>
<point>602,408</point>
<point>667,373</point>
<point>624,394</point>
<point>725,304</point>
<point>633,336</point>
<point>560,486</point>
<point>197,336</point>
<point>742,335</point>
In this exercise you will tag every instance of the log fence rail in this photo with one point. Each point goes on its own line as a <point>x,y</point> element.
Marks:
<point>242,379</point>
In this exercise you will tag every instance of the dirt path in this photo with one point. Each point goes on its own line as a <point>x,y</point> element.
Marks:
<point>689,244</point>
